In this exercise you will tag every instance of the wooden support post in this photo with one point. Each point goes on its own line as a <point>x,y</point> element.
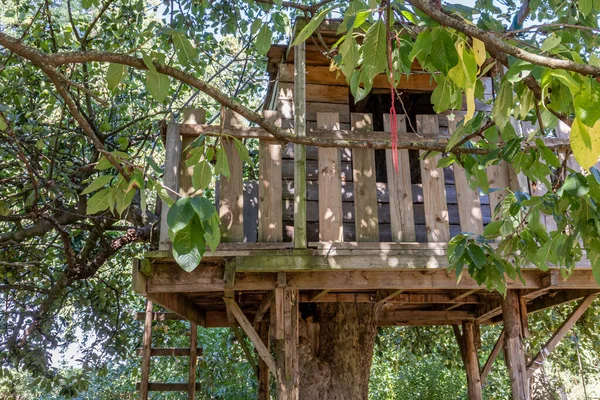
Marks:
<point>270,228</point>
<point>146,351</point>
<point>300,241</point>
<point>249,330</point>
<point>190,116</point>
<point>193,359</point>
<point>263,368</point>
<point>513,346</point>
<point>490,361</point>
<point>566,326</point>
<point>291,368</point>
<point>231,196</point>
<point>170,180</point>
<point>471,361</point>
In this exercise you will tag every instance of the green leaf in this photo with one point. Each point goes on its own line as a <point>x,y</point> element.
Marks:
<point>222,167</point>
<point>149,62</point>
<point>374,51</point>
<point>503,105</point>
<point>445,56</point>
<point>189,246</point>
<point>3,124</point>
<point>256,24</point>
<point>350,56</point>
<point>310,27</point>
<point>422,47</point>
<point>477,255</point>
<point>114,75</point>
<point>103,164</point>
<point>263,39</point>
<point>164,195</point>
<point>585,6</point>
<point>157,85</point>
<point>123,196</point>
<point>492,229</point>
<point>86,4</point>
<point>202,175</point>
<point>551,42</point>
<point>587,102</point>
<point>180,214</point>
<point>542,254</point>
<point>212,236</point>
<point>464,73</point>
<point>97,183</point>
<point>575,185</point>
<point>186,52</point>
<point>203,207</point>
<point>242,151</point>
<point>101,201</point>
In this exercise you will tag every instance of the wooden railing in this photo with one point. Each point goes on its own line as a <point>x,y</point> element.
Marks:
<point>344,199</point>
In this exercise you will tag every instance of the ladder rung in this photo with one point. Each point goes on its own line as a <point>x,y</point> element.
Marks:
<point>159,316</point>
<point>167,387</point>
<point>166,352</point>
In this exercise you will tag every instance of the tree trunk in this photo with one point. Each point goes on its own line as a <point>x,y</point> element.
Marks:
<point>336,349</point>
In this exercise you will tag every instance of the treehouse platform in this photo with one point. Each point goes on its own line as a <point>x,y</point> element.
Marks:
<point>322,224</point>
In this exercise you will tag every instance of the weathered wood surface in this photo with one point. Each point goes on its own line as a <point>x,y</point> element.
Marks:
<point>434,193</point>
<point>513,346</point>
<point>146,351</point>
<point>299,95</point>
<point>170,179</point>
<point>192,361</point>
<point>270,227</point>
<point>330,195</point>
<point>400,188</point>
<point>365,183</point>
<point>168,387</point>
<point>190,116</point>
<point>498,178</point>
<point>487,367</point>
<point>168,352</point>
<point>231,194</point>
<point>471,361</point>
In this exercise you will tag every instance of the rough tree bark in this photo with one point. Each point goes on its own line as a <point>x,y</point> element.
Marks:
<point>341,365</point>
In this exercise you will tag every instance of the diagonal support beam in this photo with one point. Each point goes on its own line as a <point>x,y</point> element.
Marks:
<point>254,337</point>
<point>566,326</point>
<point>492,357</point>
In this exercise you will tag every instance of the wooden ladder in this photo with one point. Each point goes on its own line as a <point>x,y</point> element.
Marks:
<point>147,352</point>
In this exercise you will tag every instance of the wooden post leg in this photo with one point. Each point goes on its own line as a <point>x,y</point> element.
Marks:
<point>471,361</point>
<point>513,346</point>
<point>146,351</point>
<point>193,358</point>
<point>286,349</point>
<point>263,369</point>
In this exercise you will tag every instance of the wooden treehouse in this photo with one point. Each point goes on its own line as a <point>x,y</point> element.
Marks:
<point>330,225</point>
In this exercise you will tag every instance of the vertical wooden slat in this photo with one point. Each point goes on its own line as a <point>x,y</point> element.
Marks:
<point>402,216</point>
<point>146,350</point>
<point>170,179</point>
<point>193,358</point>
<point>469,205</point>
<point>434,189</point>
<point>330,185</point>
<point>263,368</point>
<point>270,225</point>
<point>291,342</point>
<point>190,116</point>
<point>513,346</point>
<point>300,241</point>
<point>498,178</point>
<point>231,194</point>
<point>365,184</point>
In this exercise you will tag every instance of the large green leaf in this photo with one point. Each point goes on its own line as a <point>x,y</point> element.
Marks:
<point>222,167</point>
<point>114,75</point>
<point>587,102</point>
<point>585,143</point>
<point>202,175</point>
<point>180,214</point>
<point>101,201</point>
<point>263,39</point>
<point>186,52</point>
<point>445,57</point>
<point>311,27</point>
<point>157,85</point>
<point>189,246</point>
<point>203,207</point>
<point>350,56</point>
<point>375,51</point>
<point>97,183</point>
<point>503,104</point>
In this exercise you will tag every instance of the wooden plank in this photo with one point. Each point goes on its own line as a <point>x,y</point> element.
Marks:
<point>146,351</point>
<point>513,346</point>
<point>385,297</point>
<point>291,313</point>
<point>231,194</point>
<point>190,116</point>
<point>286,112</point>
<point>179,305</point>
<point>168,352</point>
<point>170,179</point>
<point>365,180</point>
<point>471,360</point>
<point>434,190</point>
<point>299,96</point>
<point>168,387</point>
<point>330,195</point>
<point>159,316</point>
<point>469,205</point>
<point>498,179</point>
<point>192,361</point>
<point>564,328</point>
<point>399,185</point>
<point>319,296</point>
<point>263,308</point>
<point>252,335</point>
<point>270,228</point>
<point>316,92</point>
<point>554,299</point>
<point>487,367</point>
<point>263,369</point>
